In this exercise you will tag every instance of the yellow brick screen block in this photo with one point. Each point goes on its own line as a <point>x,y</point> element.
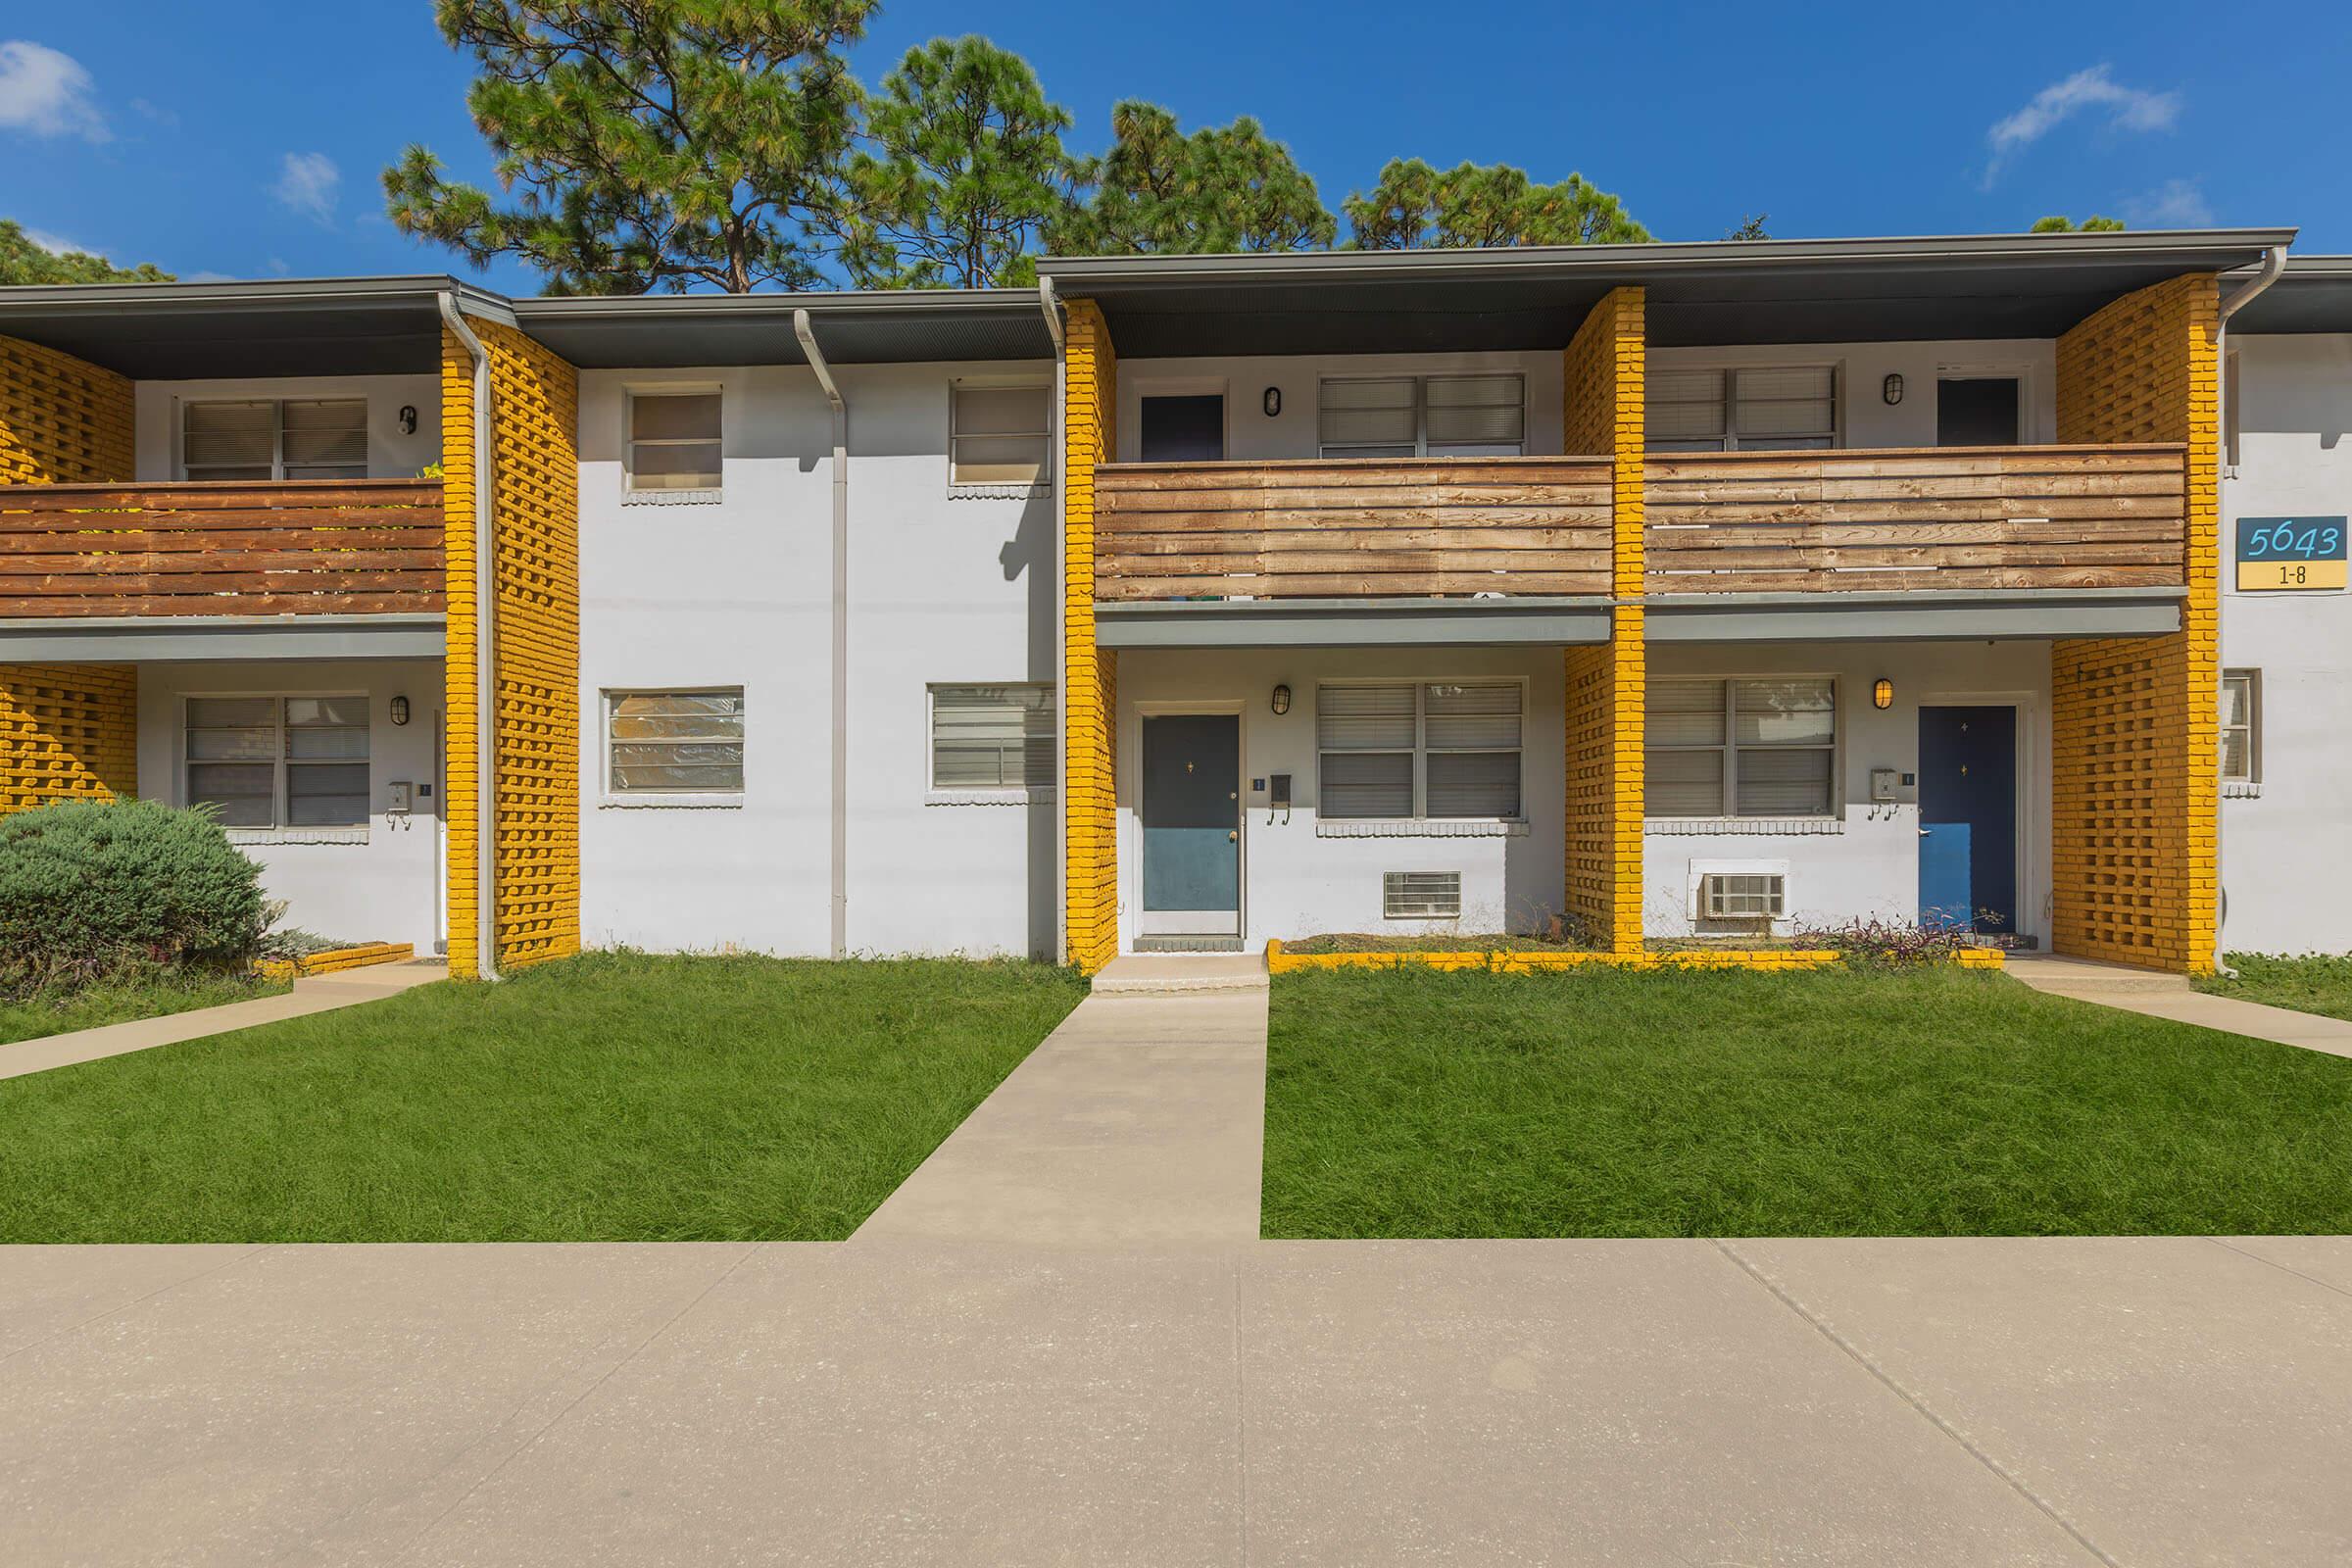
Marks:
<point>534,676</point>
<point>68,732</point>
<point>1090,674</point>
<point>62,420</point>
<point>2135,722</point>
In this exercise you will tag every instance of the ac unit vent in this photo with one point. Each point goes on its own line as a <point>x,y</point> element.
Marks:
<point>1742,896</point>
<point>1421,895</point>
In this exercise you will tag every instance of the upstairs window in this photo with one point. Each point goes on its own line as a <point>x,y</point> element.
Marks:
<point>1421,417</point>
<point>1757,409</point>
<point>992,737</point>
<point>675,743</point>
<point>294,438</point>
<point>673,443</point>
<point>1742,747</point>
<point>999,435</point>
<point>279,761</point>
<point>1433,748</point>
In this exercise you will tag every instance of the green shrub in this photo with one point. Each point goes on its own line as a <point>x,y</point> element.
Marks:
<point>90,888</point>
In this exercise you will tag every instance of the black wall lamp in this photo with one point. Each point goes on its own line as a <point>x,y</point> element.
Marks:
<point>1881,695</point>
<point>400,710</point>
<point>408,418</point>
<point>1282,699</point>
<point>1892,389</point>
<point>1271,401</point>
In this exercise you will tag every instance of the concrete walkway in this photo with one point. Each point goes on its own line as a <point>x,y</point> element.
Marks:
<point>2170,996</point>
<point>346,988</point>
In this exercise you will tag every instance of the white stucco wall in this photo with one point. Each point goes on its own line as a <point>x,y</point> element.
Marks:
<point>390,454</point>
<point>2281,843</point>
<point>1866,418</point>
<point>1298,884</point>
<point>1251,436</point>
<point>944,588</point>
<point>387,886</point>
<point>1863,864</point>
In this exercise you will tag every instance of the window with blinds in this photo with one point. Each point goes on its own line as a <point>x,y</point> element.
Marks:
<point>278,761</point>
<point>293,438</point>
<point>1000,435</point>
<point>992,737</point>
<point>674,442</point>
<point>2242,726</point>
<point>1421,417</point>
<point>1430,749</point>
<point>1759,407</point>
<point>675,743</point>
<point>1740,748</point>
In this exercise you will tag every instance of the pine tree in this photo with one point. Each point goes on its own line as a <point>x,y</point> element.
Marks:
<point>1480,206</point>
<point>2059,224</point>
<point>23,262</point>
<point>1220,189</point>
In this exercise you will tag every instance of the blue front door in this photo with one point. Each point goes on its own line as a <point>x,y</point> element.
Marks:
<point>1968,818</point>
<point>1193,825</point>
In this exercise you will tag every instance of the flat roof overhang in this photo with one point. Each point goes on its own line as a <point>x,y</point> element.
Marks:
<point>907,327</point>
<point>1535,297</point>
<point>2313,295</point>
<point>185,639</point>
<point>1350,622</point>
<point>1920,615</point>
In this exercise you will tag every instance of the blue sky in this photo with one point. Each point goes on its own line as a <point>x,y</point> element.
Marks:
<point>245,140</point>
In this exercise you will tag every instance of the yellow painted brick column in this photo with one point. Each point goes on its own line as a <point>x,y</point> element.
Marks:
<point>68,732</point>
<point>62,420</point>
<point>1090,674</point>
<point>535,723</point>
<point>2135,722</point>
<point>1604,387</point>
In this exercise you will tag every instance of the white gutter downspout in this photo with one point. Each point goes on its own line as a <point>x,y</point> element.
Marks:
<point>1055,456</point>
<point>485,618</point>
<point>840,631</point>
<point>2274,263</point>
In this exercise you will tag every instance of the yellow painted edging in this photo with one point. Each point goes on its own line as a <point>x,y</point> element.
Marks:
<point>335,958</point>
<point>1535,961</point>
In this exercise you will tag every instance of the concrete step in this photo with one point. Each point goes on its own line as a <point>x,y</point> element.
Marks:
<point>2087,977</point>
<point>1170,973</point>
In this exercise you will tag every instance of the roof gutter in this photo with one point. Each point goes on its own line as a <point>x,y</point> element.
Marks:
<point>806,332</point>
<point>2273,264</point>
<point>486,686</point>
<point>1055,452</point>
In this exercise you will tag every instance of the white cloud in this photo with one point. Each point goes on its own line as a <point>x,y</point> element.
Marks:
<point>54,244</point>
<point>207,277</point>
<point>2177,203</point>
<point>2093,89</point>
<point>307,183</point>
<point>47,94</point>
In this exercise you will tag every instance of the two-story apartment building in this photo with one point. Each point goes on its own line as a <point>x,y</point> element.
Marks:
<point>1655,591</point>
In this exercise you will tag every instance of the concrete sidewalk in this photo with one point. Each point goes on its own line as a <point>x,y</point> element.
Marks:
<point>1866,1402</point>
<point>346,988</point>
<point>2156,994</point>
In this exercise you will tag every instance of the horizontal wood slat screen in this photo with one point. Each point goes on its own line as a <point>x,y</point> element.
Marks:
<point>1860,521</point>
<point>223,548</point>
<point>1374,527</point>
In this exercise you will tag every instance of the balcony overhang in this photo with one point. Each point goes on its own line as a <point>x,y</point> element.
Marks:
<point>188,639</point>
<point>1923,616</point>
<point>1351,622</point>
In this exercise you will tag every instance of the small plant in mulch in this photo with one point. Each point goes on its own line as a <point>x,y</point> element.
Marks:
<point>1388,942</point>
<point>295,943</point>
<point>1888,942</point>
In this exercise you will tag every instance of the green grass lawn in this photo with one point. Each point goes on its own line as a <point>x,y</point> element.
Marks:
<point>1876,1101</point>
<point>607,1097</point>
<point>120,1003</point>
<point>2306,985</point>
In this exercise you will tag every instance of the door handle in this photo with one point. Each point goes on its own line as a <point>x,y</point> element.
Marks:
<point>1924,831</point>
<point>1235,837</point>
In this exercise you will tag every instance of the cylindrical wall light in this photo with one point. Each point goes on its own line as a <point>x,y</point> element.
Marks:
<point>1882,694</point>
<point>1271,401</point>
<point>1892,389</point>
<point>1282,699</point>
<point>400,710</point>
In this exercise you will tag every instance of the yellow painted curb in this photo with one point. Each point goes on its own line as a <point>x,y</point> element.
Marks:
<point>1538,960</point>
<point>335,958</point>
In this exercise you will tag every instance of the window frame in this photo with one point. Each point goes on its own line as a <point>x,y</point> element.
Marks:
<point>277,440</point>
<point>1421,750</point>
<point>1022,791</point>
<point>611,795</point>
<point>957,387</point>
<point>1730,371</point>
<point>2252,776</point>
<point>1347,450</point>
<point>1730,747</point>
<point>281,827</point>
<point>630,491</point>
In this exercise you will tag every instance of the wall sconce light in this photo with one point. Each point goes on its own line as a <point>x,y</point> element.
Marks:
<point>408,418</point>
<point>1282,699</point>
<point>1881,695</point>
<point>400,710</point>
<point>1892,389</point>
<point>1271,402</point>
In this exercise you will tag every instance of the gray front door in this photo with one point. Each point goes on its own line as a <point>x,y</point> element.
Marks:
<point>1192,813</point>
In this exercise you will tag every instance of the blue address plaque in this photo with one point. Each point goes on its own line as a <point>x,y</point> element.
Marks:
<point>2286,554</point>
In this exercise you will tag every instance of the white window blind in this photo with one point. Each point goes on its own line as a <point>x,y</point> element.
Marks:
<point>298,438</point>
<point>1424,750</point>
<point>279,761</point>
<point>1436,416</point>
<point>674,441</point>
<point>999,436</point>
<point>676,743</point>
<point>992,737</point>
<point>2242,726</point>
<point>1740,748</point>
<point>1760,408</point>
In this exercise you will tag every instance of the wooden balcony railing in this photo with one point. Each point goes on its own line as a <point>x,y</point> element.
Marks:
<point>1857,521</point>
<point>296,547</point>
<point>1377,527</point>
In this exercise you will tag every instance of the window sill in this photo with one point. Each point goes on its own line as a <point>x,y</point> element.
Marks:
<point>2243,790</point>
<point>1023,797</point>
<point>671,497</point>
<point>670,802</point>
<point>1744,826</point>
<point>1379,827</point>
<point>297,835</point>
<point>998,492</point>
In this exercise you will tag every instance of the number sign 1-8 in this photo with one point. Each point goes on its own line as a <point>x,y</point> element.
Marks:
<point>2289,553</point>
